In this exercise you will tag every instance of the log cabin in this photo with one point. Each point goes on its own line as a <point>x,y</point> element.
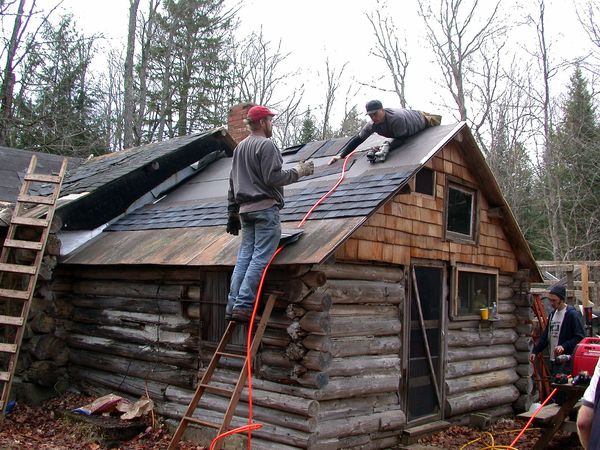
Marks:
<point>378,328</point>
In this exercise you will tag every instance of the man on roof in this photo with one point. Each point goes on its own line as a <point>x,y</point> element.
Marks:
<point>394,123</point>
<point>255,197</point>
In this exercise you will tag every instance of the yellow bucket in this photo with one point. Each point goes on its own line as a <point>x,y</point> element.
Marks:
<point>485,313</point>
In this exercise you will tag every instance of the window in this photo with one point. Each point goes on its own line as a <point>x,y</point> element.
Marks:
<point>474,289</point>
<point>460,213</point>
<point>425,181</point>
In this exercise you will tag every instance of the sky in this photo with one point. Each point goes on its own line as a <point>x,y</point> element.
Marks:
<point>315,30</point>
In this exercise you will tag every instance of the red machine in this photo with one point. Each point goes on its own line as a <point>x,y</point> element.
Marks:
<point>586,356</point>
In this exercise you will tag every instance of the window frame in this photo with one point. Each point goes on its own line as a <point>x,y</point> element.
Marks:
<point>454,315</point>
<point>449,235</point>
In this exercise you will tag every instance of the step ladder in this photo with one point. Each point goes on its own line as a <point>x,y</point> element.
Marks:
<point>32,214</point>
<point>234,394</point>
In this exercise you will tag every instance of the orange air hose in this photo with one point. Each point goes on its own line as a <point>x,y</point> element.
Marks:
<point>254,426</point>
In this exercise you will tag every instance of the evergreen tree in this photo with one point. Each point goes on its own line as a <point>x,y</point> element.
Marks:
<point>309,131</point>
<point>576,145</point>
<point>351,123</point>
<point>56,108</point>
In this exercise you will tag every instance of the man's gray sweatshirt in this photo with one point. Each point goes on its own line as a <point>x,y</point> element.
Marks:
<point>256,179</point>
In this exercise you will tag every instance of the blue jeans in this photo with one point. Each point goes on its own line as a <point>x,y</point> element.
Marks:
<point>261,231</point>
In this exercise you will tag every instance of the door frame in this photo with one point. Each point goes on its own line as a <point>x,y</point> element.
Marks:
<point>445,290</point>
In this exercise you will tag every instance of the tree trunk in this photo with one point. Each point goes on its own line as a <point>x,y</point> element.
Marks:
<point>128,97</point>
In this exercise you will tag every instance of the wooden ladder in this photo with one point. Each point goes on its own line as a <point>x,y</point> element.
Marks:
<point>541,374</point>
<point>17,279</point>
<point>236,393</point>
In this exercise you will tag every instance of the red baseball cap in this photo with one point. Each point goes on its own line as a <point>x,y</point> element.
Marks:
<point>259,112</point>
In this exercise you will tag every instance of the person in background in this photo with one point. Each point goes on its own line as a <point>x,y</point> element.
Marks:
<point>394,123</point>
<point>563,333</point>
<point>255,197</point>
<point>588,418</point>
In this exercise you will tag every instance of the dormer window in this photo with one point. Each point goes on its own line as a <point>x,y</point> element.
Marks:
<point>461,217</point>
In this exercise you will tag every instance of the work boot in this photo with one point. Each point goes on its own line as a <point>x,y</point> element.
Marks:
<point>241,315</point>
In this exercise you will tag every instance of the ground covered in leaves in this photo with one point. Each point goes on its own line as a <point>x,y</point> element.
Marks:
<point>41,427</point>
<point>501,434</point>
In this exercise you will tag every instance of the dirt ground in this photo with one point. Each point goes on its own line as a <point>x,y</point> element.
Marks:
<point>42,427</point>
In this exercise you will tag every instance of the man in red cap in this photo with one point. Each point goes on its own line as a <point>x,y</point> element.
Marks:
<point>394,123</point>
<point>255,197</point>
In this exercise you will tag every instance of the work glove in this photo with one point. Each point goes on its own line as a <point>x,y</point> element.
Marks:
<point>233,223</point>
<point>305,168</point>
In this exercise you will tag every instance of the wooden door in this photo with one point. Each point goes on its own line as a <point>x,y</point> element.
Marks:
<point>424,343</point>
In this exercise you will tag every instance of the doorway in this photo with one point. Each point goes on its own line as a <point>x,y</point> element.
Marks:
<point>424,339</point>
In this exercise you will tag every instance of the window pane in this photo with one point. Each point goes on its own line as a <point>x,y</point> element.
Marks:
<point>424,181</point>
<point>460,206</point>
<point>475,291</point>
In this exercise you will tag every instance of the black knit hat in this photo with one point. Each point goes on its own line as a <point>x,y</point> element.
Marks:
<point>373,105</point>
<point>559,290</point>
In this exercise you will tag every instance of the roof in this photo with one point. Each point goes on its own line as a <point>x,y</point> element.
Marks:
<point>104,187</point>
<point>187,226</point>
<point>14,164</point>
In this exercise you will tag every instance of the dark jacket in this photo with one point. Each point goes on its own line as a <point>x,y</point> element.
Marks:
<point>571,332</point>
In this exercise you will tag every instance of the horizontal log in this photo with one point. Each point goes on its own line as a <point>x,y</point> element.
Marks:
<point>364,310</point>
<point>293,376</point>
<point>522,404</point>
<point>481,381</point>
<point>362,425</point>
<point>524,385</point>
<point>295,351</point>
<point>315,360</point>
<point>314,279</point>
<point>367,272</point>
<point>365,345</point>
<point>292,290</point>
<point>317,301</point>
<point>344,387</point>
<point>141,305</point>
<point>313,379</point>
<point>276,338</point>
<point>295,331</point>
<point>133,273</point>
<point>317,342</point>
<point>464,368</point>
<point>141,369</point>
<point>364,326</point>
<point>128,319</point>
<point>131,350</point>
<point>474,339</point>
<point>316,322</point>
<point>524,370</point>
<point>136,387</point>
<point>355,291</point>
<point>149,334</point>
<point>294,311</point>
<point>276,358</point>
<point>505,292</point>
<point>117,288</point>
<point>363,365</point>
<point>506,307</point>
<point>345,407</point>
<point>268,431</point>
<point>524,344</point>
<point>455,354</point>
<point>480,399</point>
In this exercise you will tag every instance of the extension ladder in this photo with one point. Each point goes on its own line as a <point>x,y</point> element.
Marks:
<point>32,214</point>
<point>234,394</point>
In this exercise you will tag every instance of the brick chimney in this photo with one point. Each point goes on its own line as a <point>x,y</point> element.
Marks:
<point>235,125</point>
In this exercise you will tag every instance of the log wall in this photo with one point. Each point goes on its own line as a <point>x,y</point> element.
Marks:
<point>411,226</point>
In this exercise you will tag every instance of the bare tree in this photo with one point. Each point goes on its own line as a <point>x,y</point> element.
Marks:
<point>457,36</point>
<point>333,78</point>
<point>128,94</point>
<point>389,50</point>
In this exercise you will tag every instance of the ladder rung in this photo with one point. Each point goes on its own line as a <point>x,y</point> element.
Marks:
<point>202,422</point>
<point>17,243</point>
<point>232,355</point>
<point>37,199</point>
<point>12,293</point>
<point>43,178</point>
<point>216,390</point>
<point>11,320</point>
<point>17,268</point>
<point>4,376</point>
<point>8,348</point>
<point>29,221</point>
